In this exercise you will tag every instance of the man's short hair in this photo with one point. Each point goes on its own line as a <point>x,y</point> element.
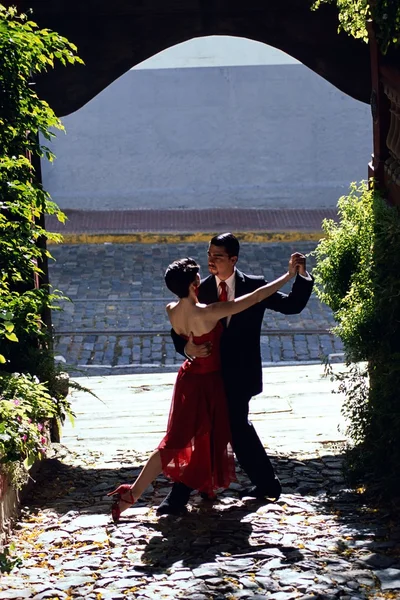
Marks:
<point>228,241</point>
<point>180,274</point>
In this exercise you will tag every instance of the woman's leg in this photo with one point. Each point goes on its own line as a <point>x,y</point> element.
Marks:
<point>150,471</point>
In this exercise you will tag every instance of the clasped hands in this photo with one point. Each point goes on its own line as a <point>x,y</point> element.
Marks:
<point>297,264</point>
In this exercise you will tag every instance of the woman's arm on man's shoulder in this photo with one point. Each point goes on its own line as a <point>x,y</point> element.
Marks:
<point>218,310</point>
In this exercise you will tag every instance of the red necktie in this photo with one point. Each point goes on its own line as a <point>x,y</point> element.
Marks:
<point>223,296</point>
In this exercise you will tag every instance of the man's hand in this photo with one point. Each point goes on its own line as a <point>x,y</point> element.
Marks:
<point>197,350</point>
<point>297,264</point>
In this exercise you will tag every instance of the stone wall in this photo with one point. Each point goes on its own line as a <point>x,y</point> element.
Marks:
<point>8,508</point>
<point>257,136</point>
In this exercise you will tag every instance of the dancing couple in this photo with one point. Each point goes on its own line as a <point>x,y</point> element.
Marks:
<point>216,326</point>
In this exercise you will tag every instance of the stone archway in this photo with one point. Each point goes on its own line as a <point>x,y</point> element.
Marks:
<point>113,37</point>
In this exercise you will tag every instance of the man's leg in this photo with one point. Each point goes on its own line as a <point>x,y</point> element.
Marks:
<point>249,450</point>
<point>175,502</point>
<point>178,497</point>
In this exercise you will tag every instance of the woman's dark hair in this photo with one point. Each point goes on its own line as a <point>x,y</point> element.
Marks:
<point>227,241</point>
<point>180,274</point>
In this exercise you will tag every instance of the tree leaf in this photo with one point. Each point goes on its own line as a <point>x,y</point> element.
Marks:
<point>12,337</point>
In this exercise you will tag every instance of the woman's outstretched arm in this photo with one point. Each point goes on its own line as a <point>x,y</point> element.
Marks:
<point>225,309</point>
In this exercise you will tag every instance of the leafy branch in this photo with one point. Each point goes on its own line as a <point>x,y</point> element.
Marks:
<point>355,14</point>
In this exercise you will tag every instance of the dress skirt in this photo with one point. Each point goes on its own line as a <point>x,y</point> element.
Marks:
<point>196,449</point>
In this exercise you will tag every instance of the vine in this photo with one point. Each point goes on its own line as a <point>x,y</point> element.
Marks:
<point>355,14</point>
<point>29,381</point>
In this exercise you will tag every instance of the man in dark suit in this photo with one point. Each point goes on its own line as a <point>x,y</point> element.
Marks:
<point>241,359</point>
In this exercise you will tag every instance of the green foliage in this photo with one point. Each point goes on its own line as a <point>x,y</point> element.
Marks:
<point>353,384</point>
<point>345,270</point>
<point>8,561</point>
<point>357,276</point>
<point>7,330</point>
<point>354,15</point>
<point>32,396</point>
<point>25,404</point>
<point>26,50</point>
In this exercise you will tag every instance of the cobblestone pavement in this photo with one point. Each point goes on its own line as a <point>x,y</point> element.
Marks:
<point>116,318</point>
<point>322,545</point>
<point>318,542</point>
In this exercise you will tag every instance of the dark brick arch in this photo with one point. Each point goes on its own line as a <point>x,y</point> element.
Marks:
<point>112,36</point>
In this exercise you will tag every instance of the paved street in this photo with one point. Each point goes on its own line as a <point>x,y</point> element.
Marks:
<point>295,413</point>
<point>116,320</point>
<point>320,541</point>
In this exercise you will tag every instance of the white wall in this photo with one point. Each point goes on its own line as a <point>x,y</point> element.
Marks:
<point>261,135</point>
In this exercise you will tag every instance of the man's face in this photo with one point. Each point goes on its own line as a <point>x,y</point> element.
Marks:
<point>219,263</point>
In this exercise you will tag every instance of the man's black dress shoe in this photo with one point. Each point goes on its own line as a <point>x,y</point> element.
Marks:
<point>207,497</point>
<point>272,491</point>
<point>175,502</point>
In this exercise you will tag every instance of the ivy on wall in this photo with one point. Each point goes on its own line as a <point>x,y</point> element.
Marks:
<point>30,389</point>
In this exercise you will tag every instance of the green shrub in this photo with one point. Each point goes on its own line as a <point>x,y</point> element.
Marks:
<point>357,275</point>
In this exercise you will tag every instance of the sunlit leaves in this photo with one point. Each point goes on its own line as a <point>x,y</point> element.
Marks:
<point>363,294</point>
<point>25,400</point>
<point>358,277</point>
<point>346,267</point>
<point>25,404</point>
<point>354,14</point>
<point>26,50</point>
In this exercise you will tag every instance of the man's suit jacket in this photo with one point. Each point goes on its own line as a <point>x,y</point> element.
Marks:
<point>240,341</point>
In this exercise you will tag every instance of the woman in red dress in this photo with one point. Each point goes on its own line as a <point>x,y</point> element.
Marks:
<point>196,449</point>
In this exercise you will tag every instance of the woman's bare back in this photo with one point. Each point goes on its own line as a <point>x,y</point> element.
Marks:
<point>191,318</point>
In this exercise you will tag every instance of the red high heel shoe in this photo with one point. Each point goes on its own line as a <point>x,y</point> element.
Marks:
<point>123,489</point>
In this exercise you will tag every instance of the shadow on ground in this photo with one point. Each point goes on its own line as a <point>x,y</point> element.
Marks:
<point>206,531</point>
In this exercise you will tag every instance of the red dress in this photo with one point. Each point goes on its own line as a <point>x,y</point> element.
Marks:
<point>196,449</point>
